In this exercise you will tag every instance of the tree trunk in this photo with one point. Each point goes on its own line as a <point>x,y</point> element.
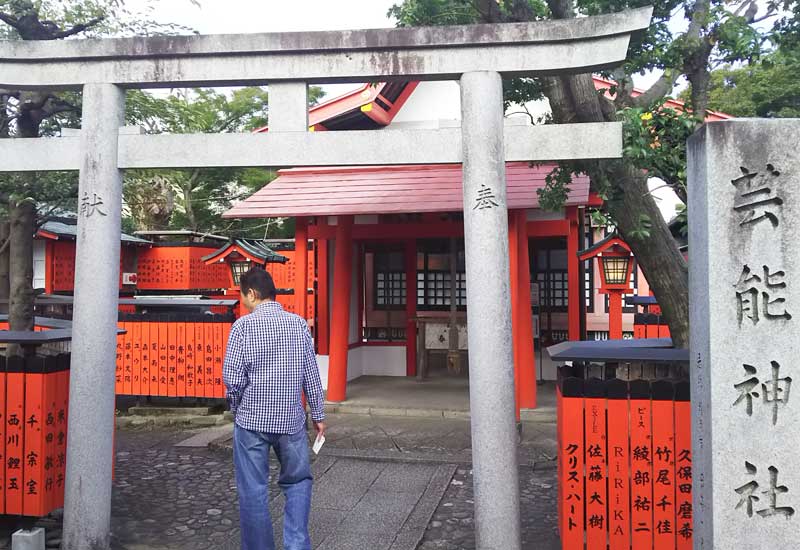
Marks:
<point>189,208</point>
<point>700,80</point>
<point>5,288</point>
<point>23,225</point>
<point>575,98</point>
<point>657,254</point>
<point>188,189</point>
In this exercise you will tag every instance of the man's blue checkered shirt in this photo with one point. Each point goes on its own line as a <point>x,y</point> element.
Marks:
<point>270,361</point>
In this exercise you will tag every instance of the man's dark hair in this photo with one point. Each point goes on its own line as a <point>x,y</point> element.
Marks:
<point>259,281</point>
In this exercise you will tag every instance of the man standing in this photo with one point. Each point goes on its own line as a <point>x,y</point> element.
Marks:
<point>269,363</point>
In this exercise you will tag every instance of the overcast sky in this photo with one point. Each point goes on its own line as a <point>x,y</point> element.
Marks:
<point>238,16</point>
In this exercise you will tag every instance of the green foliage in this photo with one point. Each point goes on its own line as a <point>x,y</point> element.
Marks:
<point>682,219</point>
<point>653,49</point>
<point>521,90</point>
<point>769,87</point>
<point>57,191</point>
<point>654,137</point>
<point>655,141</point>
<point>116,17</point>
<point>195,199</point>
<point>556,189</point>
<point>642,230</point>
<point>423,13</point>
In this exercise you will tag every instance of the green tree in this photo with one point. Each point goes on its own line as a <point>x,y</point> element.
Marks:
<point>716,32</point>
<point>769,87</point>
<point>194,199</point>
<point>28,114</point>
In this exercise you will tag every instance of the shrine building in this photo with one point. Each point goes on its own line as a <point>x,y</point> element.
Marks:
<point>383,234</point>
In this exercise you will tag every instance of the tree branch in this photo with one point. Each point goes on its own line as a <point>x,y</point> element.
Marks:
<point>55,105</point>
<point>657,91</point>
<point>698,20</point>
<point>9,20</point>
<point>624,86</point>
<point>79,28</point>
<point>526,112</point>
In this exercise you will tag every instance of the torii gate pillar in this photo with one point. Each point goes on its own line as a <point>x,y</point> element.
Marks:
<point>491,356</point>
<point>90,450</point>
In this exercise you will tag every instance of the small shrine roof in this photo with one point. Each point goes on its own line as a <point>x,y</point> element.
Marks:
<point>252,249</point>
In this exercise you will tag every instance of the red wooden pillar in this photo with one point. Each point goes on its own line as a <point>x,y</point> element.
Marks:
<point>340,325</point>
<point>49,262</point>
<point>322,332</point>
<point>574,284</point>
<point>513,258</point>
<point>360,289</point>
<point>615,315</point>
<point>301,267</point>
<point>527,375</point>
<point>411,306</point>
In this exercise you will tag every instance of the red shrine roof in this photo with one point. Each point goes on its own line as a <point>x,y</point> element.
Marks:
<point>389,190</point>
<point>369,107</point>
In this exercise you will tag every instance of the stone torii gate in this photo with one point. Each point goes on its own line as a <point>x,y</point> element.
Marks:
<point>479,56</point>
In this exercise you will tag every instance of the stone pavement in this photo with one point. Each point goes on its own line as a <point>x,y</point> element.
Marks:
<point>187,499</point>
<point>420,439</point>
<point>426,440</point>
<point>381,483</point>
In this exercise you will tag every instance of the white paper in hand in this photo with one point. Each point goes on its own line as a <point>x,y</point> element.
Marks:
<point>318,443</point>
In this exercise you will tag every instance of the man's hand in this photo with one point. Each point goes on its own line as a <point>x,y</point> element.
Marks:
<point>320,427</point>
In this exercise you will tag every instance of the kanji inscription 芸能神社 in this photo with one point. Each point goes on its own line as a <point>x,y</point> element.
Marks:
<point>774,391</point>
<point>767,506</point>
<point>756,197</point>
<point>744,216</point>
<point>758,296</point>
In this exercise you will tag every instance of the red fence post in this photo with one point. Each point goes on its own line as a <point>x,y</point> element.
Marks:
<point>118,388</point>
<point>573,496</point>
<point>190,360</point>
<point>180,352</point>
<point>208,359</point>
<point>619,473</point>
<point>3,423</point>
<point>663,465</point>
<point>641,465</point>
<point>684,523</point>
<point>560,373</point>
<point>15,422</point>
<point>61,437</point>
<point>163,355</point>
<point>596,462</point>
<point>144,383</point>
<point>136,387</point>
<point>199,353</point>
<point>219,356</point>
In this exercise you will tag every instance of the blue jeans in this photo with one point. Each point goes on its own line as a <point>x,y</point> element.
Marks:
<point>251,461</point>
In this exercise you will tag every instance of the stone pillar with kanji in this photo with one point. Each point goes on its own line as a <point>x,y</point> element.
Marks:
<point>744,262</point>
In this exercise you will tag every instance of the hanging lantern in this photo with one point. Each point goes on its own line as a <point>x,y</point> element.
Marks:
<point>238,268</point>
<point>614,259</point>
<point>616,267</point>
